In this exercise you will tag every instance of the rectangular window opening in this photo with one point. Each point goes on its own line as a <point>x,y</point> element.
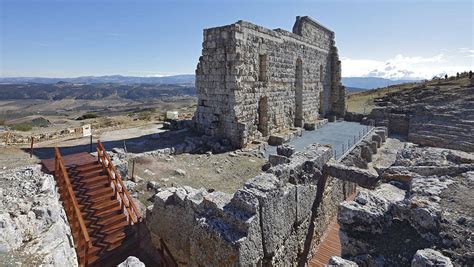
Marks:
<point>262,68</point>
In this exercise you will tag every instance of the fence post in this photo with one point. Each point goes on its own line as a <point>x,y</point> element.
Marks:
<point>32,143</point>
<point>90,147</point>
<point>133,168</point>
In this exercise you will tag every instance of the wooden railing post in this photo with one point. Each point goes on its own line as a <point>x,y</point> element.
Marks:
<point>121,192</point>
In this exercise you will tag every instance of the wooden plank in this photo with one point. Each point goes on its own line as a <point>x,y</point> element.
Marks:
<point>69,160</point>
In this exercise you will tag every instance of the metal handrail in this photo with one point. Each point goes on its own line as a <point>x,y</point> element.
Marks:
<point>370,128</point>
<point>71,207</point>
<point>121,191</point>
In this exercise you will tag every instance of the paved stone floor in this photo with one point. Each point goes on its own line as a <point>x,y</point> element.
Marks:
<point>333,133</point>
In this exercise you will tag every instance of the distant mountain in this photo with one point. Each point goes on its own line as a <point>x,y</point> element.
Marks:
<point>371,82</point>
<point>354,84</point>
<point>354,89</point>
<point>175,79</point>
<point>62,90</point>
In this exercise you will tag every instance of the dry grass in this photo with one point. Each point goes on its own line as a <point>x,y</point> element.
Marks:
<point>363,102</point>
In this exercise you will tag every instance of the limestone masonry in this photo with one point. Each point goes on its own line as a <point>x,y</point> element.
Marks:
<point>253,82</point>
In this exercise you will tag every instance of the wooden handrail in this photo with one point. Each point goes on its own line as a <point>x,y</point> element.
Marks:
<point>116,179</point>
<point>69,201</point>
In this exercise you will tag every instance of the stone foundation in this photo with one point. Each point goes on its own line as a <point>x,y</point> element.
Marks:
<point>277,218</point>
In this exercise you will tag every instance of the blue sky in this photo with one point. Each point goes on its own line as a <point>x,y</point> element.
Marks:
<point>392,39</point>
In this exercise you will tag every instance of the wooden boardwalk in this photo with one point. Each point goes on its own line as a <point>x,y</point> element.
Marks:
<point>330,246</point>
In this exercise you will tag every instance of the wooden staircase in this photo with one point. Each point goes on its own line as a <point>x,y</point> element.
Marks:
<point>100,210</point>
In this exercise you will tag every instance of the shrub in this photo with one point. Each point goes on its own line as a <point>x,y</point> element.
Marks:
<point>24,127</point>
<point>87,116</point>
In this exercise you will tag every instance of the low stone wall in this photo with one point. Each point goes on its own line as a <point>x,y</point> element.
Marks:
<point>18,138</point>
<point>277,218</point>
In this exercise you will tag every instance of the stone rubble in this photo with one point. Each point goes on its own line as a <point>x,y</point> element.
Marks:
<point>425,193</point>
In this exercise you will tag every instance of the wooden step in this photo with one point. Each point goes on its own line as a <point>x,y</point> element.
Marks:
<point>92,187</point>
<point>115,237</point>
<point>112,219</point>
<point>106,216</point>
<point>90,170</point>
<point>105,212</point>
<point>75,167</point>
<point>100,191</point>
<point>112,227</point>
<point>93,180</point>
<point>92,254</point>
<point>104,204</point>
<point>86,167</point>
<point>105,197</point>
<point>89,174</point>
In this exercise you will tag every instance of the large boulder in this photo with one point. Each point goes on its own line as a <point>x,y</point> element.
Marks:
<point>370,211</point>
<point>429,257</point>
<point>131,262</point>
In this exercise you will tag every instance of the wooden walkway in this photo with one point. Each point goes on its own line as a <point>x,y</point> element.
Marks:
<point>330,246</point>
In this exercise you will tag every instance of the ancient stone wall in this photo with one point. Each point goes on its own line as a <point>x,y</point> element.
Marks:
<point>276,219</point>
<point>253,82</point>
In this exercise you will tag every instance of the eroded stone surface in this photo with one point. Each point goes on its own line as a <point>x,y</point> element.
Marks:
<point>33,226</point>
<point>429,257</point>
<point>433,207</point>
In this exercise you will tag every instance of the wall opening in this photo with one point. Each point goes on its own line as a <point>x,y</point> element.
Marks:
<point>262,68</point>
<point>321,73</point>
<point>321,103</point>
<point>299,93</point>
<point>263,116</point>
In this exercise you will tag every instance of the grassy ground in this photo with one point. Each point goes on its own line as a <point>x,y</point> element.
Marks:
<point>363,102</point>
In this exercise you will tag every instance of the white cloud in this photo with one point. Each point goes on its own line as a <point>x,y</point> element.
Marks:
<point>406,67</point>
<point>468,51</point>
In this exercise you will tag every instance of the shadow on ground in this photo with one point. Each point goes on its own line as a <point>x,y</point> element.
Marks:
<point>140,144</point>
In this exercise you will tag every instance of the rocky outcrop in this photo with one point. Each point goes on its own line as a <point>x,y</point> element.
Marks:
<point>340,262</point>
<point>430,258</point>
<point>131,262</point>
<point>440,116</point>
<point>275,219</point>
<point>424,202</point>
<point>33,226</point>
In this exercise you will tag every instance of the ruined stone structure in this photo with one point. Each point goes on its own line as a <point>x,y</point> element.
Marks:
<point>253,82</point>
<point>441,116</point>
<point>276,219</point>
